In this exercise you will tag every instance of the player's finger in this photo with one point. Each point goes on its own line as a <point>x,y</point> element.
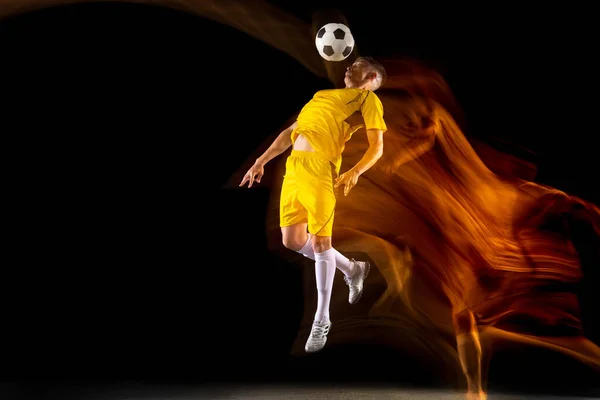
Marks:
<point>244,180</point>
<point>348,188</point>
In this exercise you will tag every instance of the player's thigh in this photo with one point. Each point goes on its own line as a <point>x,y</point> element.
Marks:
<point>316,192</point>
<point>291,210</point>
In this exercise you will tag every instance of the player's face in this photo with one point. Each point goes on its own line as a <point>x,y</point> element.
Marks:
<point>358,74</point>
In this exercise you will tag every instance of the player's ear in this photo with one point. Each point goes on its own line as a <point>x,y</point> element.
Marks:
<point>372,75</point>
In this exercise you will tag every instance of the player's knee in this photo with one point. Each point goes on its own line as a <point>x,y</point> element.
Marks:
<point>321,243</point>
<point>292,243</point>
<point>293,239</point>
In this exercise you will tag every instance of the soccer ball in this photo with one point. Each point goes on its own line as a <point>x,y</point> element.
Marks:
<point>334,42</point>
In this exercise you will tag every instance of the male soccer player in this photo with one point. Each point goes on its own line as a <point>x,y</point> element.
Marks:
<point>308,199</point>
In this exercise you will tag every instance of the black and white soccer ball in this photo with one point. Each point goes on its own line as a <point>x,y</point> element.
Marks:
<point>334,42</point>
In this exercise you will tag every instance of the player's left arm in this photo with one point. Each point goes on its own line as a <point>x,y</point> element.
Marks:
<point>372,112</point>
<point>373,153</point>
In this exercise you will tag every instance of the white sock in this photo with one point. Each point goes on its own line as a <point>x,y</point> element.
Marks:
<point>324,273</point>
<point>341,262</point>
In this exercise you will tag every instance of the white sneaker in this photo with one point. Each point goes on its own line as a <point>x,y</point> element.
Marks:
<point>318,336</point>
<point>356,283</point>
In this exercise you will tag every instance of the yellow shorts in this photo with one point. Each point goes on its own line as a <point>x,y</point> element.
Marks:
<point>307,194</point>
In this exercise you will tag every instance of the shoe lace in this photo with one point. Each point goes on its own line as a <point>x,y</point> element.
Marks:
<point>318,331</point>
<point>347,279</point>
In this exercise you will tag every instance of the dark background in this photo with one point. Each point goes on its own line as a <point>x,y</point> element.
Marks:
<point>132,263</point>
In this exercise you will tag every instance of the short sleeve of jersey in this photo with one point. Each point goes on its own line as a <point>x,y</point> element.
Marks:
<point>372,112</point>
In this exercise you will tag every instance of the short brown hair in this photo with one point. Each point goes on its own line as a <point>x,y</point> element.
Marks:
<point>379,69</point>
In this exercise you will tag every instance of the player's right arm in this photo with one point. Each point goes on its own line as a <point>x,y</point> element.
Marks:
<point>279,145</point>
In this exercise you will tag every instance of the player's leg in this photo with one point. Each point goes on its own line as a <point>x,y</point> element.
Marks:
<point>293,217</point>
<point>469,353</point>
<point>294,234</point>
<point>324,275</point>
<point>324,258</point>
<point>317,195</point>
<point>298,239</point>
<point>300,173</point>
<point>354,271</point>
<point>315,192</point>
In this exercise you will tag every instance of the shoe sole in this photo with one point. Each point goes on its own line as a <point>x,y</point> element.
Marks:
<point>319,349</point>
<point>315,351</point>
<point>367,270</point>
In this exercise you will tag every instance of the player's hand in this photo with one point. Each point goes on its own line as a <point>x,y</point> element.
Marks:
<point>348,179</point>
<point>254,174</point>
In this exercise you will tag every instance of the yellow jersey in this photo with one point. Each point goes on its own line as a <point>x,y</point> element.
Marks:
<point>322,121</point>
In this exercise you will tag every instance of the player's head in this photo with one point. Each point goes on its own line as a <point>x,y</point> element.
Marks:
<point>365,73</point>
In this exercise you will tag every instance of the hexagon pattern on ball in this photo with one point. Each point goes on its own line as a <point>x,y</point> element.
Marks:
<point>334,42</point>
